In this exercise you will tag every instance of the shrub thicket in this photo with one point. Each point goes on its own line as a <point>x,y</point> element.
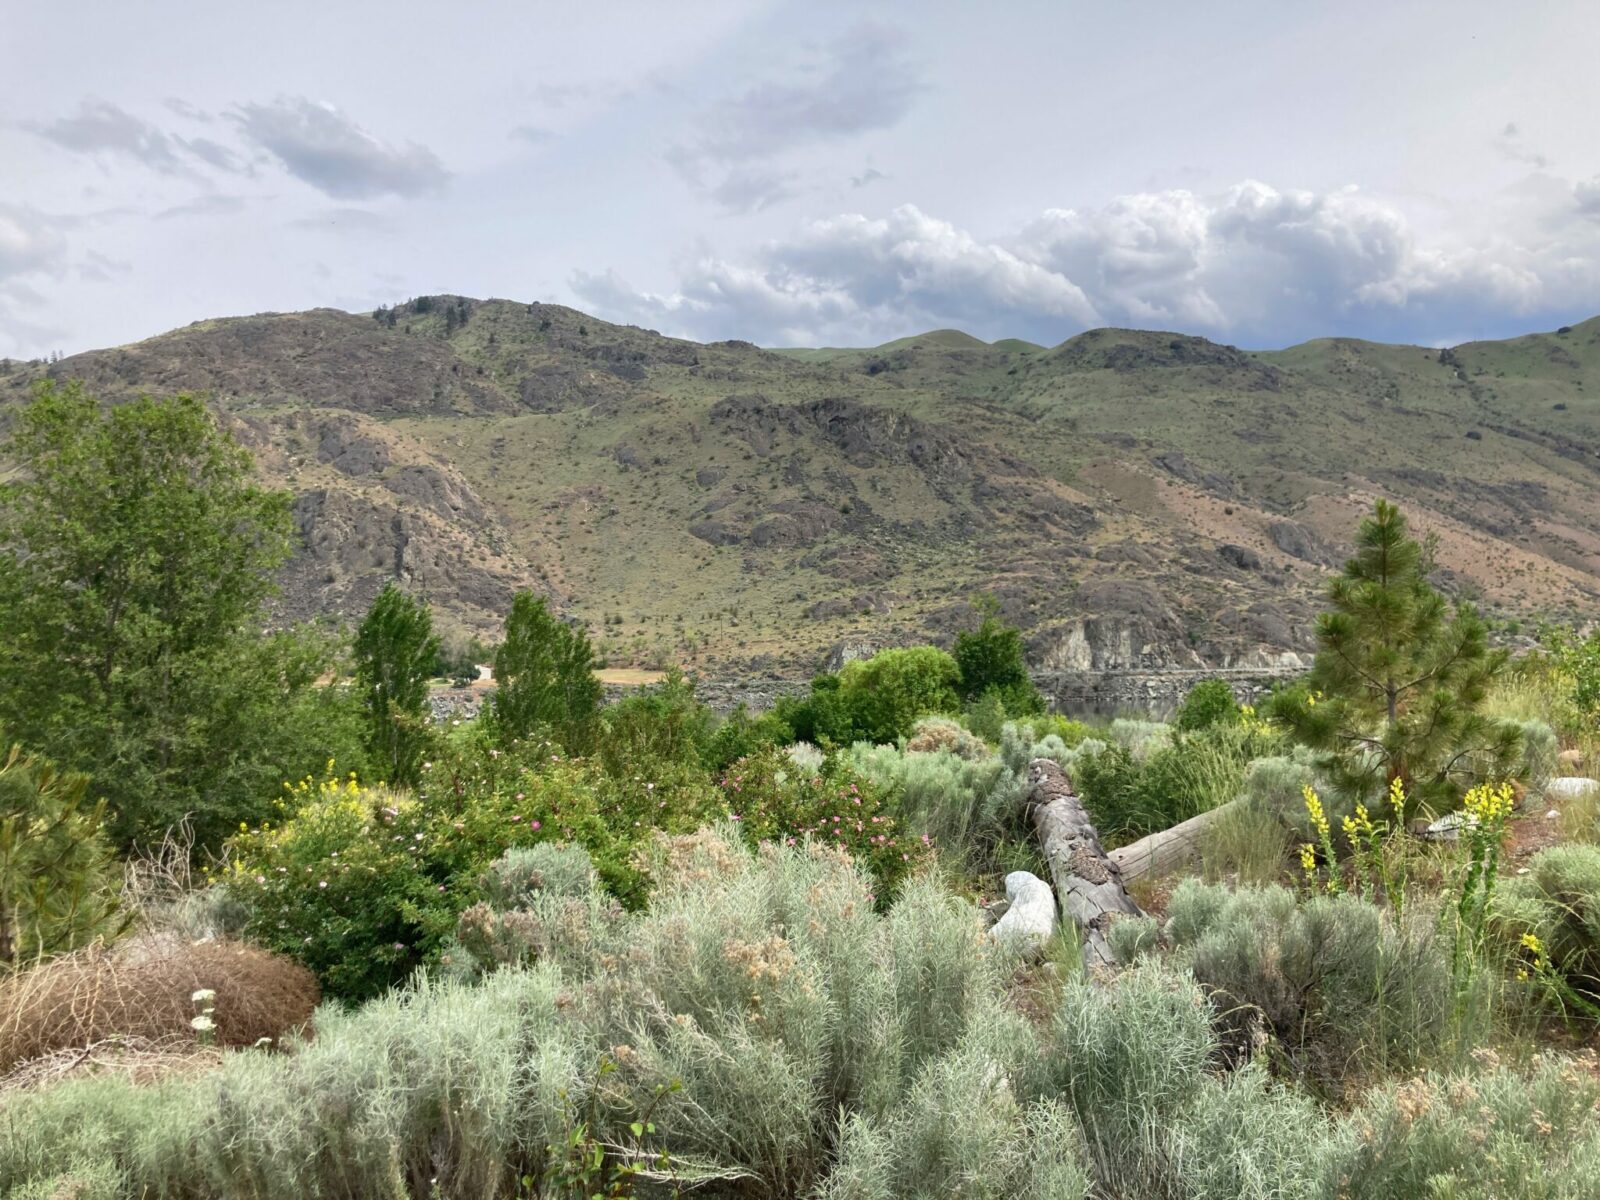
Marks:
<point>877,699</point>
<point>1336,984</point>
<point>990,664</point>
<point>1209,702</point>
<point>363,885</point>
<point>786,1039</point>
<point>1142,783</point>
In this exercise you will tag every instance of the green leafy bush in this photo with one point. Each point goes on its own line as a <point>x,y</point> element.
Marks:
<point>544,677</point>
<point>395,649</point>
<point>1209,702</point>
<point>990,663</point>
<point>364,885</point>
<point>774,798</point>
<point>877,699</point>
<point>662,723</point>
<point>740,734</point>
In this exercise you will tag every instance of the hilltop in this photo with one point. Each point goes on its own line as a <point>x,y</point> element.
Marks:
<point>1135,499</point>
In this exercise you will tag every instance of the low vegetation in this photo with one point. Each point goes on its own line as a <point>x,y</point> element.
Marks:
<point>575,949</point>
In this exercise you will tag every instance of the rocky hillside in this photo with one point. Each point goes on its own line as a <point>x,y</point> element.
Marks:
<point>1134,499</point>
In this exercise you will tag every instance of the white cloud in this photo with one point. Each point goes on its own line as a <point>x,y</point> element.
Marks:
<point>1252,263</point>
<point>101,128</point>
<point>30,243</point>
<point>321,146</point>
<point>860,82</point>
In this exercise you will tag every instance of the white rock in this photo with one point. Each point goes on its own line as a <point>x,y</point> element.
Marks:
<point>1030,921</point>
<point>1570,787</point>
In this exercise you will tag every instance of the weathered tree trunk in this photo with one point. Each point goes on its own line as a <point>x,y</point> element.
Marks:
<point>1163,853</point>
<point>1088,883</point>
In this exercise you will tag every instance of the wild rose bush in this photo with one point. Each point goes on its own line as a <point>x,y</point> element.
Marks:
<point>774,798</point>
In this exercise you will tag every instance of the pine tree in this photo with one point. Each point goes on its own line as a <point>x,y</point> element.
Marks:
<point>1400,678</point>
<point>544,677</point>
<point>395,652</point>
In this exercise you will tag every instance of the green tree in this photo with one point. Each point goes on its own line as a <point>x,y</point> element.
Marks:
<point>57,874</point>
<point>544,677</point>
<point>886,693</point>
<point>1400,678</point>
<point>1209,702</point>
<point>395,650</point>
<point>136,553</point>
<point>990,660</point>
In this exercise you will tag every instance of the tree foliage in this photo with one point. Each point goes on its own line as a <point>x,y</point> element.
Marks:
<point>136,554</point>
<point>57,874</point>
<point>990,661</point>
<point>1400,679</point>
<point>1209,702</point>
<point>395,652</point>
<point>544,677</point>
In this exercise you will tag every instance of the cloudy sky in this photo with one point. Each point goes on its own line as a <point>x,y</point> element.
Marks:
<point>806,173</point>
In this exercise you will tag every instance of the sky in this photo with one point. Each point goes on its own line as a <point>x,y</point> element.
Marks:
<point>810,173</point>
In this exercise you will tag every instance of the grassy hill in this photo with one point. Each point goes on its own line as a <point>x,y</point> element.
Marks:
<point>1133,498</point>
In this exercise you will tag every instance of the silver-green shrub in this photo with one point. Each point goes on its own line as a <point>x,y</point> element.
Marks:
<point>1490,1132</point>
<point>1333,981</point>
<point>551,868</point>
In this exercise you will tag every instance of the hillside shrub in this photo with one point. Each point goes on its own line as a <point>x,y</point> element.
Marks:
<point>772,798</point>
<point>1331,980</point>
<point>1209,702</point>
<point>990,663</point>
<point>364,885</point>
<point>1558,903</point>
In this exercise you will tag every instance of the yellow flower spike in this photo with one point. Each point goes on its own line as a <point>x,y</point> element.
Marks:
<point>1532,942</point>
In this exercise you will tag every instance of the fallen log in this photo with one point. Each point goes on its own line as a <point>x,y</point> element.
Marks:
<point>1163,853</point>
<point>1088,883</point>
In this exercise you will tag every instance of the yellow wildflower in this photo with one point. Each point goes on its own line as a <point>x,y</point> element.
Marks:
<point>1319,818</point>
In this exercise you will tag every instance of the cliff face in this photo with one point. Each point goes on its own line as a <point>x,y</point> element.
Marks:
<point>1135,501</point>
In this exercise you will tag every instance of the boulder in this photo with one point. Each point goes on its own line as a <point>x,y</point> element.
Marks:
<point>1570,787</point>
<point>1030,919</point>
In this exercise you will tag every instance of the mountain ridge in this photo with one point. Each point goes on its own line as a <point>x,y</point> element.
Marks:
<point>1135,499</point>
